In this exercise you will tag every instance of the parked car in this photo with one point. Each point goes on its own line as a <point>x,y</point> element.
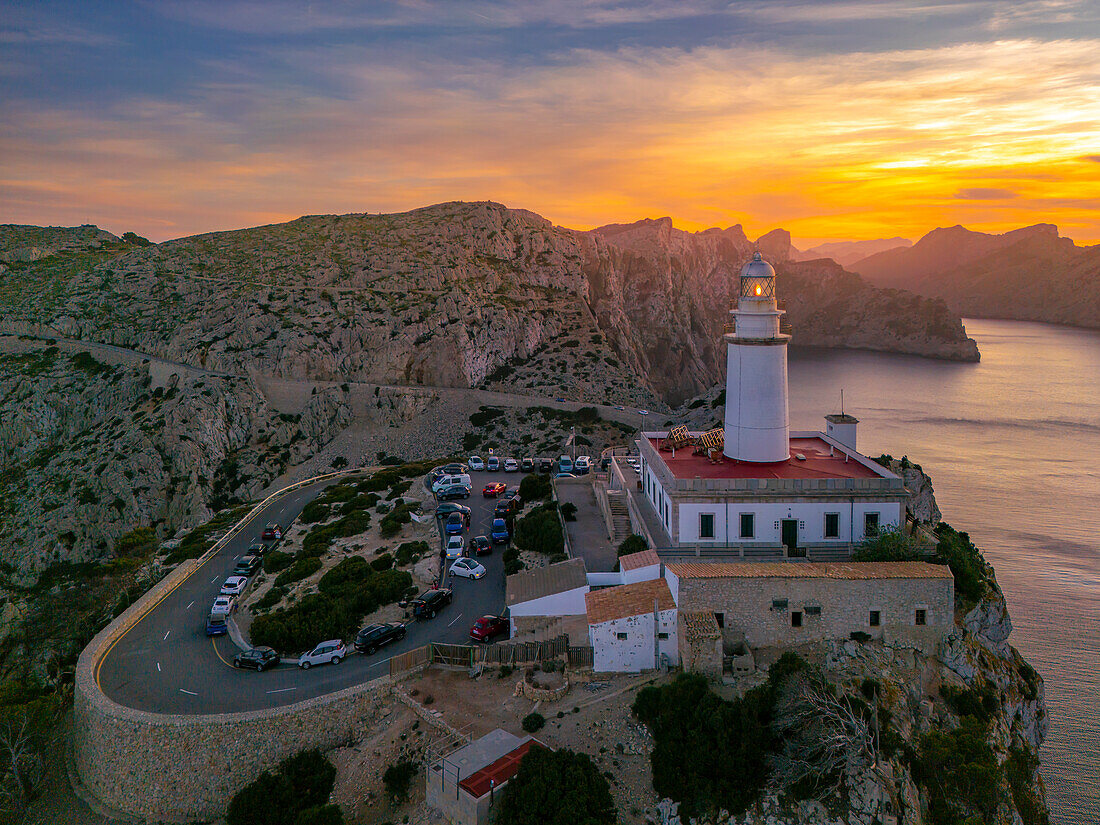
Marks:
<point>456,468</point>
<point>330,652</point>
<point>257,548</point>
<point>273,532</point>
<point>216,625</point>
<point>444,510</point>
<point>468,569</point>
<point>511,465</point>
<point>493,490</point>
<point>247,565</point>
<point>479,546</point>
<point>488,628</point>
<point>582,465</point>
<point>453,491</point>
<point>565,464</point>
<point>259,658</point>
<point>455,546</point>
<point>456,523</point>
<point>507,506</point>
<point>372,637</point>
<point>565,475</point>
<point>476,462</point>
<point>527,465</point>
<point>450,479</point>
<point>234,586</point>
<point>499,531</point>
<point>223,606</point>
<point>493,464</point>
<point>546,465</point>
<point>431,602</point>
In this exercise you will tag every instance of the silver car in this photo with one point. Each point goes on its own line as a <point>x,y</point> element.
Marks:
<point>330,652</point>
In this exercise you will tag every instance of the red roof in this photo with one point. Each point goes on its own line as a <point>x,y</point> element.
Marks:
<point>818,464</point>
<point>477,784</point>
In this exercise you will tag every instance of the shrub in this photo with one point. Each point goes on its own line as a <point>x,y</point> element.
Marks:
<point>301,569</point>
<point>397,780</point>
<point>137,542</point>
<point>319,539</point>
<point>540,531</point>
<point>321,815</point>
<point>293,795</point>
<point>633,544</point>
<point>382,562</point>
<point>312,776</point>
<point>392,521</point>
<point>274,561</point>
<point>557,788</point>
<point>269,599</point>
<point>314,512</point>
<point>972,576</point>
<point>979,702</point>
<point>888,544</point>
<point>533,722</point>
<point>960,773</point>
<point>269,800</point>
<point>338,463</point>
<point>535,487</point>
<point>512,566</point>
<point>485,415</point>
<point>569,511</point>
<point>411,551</point>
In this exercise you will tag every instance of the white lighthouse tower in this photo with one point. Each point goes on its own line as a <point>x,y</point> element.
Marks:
<point>757,426</point>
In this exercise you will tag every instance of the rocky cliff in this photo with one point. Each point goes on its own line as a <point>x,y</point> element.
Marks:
<point>450,295</point>
<point>1028,274</point>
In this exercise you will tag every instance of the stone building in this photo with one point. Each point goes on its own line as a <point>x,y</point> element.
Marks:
<point>632,627</point>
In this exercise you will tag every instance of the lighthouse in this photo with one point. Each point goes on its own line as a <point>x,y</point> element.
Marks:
<point>757,426</point>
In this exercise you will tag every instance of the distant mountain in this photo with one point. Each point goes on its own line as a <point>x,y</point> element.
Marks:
<point>848,252</point>
<point>1028,274</point>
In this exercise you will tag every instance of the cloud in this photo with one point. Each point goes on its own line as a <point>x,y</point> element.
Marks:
<point>1093,158</point>
<point>980,193</point>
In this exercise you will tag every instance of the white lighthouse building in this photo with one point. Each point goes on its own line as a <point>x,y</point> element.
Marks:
<point>757,425</point>
<point>755,489</point>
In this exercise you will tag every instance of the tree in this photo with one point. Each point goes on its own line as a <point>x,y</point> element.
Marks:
<point>22,768</point>
<point>888,544</point>
<point>540,531</point>
<point>556,788</point>
<point>633,544</point>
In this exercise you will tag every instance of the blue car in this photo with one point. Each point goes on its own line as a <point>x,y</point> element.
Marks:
<point>456,523</point>
<point>499,534</point>
<point>216,626</point>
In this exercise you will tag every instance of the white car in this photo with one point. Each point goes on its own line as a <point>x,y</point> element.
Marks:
<point>468,569</point>
<point>330,652</point>
<point>582,464</point>
<point>511,465</point>
<point>475,463</point>
<point>455,546</point>
<point>223,606</point>
<point>234,585</point>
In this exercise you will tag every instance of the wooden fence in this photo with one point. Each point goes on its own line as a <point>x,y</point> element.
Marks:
<point>410,659</point>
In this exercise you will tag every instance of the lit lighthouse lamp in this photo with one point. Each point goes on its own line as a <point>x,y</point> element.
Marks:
<point>757,426</point>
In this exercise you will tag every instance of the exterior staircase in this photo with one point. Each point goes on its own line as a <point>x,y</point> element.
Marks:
<point>620,518</point>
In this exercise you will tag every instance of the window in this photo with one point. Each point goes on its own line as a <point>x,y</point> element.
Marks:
<point>870,524</point>
<point>921,617</point>
<point>720,618</point>
<point>662,635</point>
<point>874,618</point>
<point>813,610</point>
<point>748,525</point>
<point>832,525</point>
<point>796,618</point>
<point>779,604</point>
<point>621,637</point>
<point>706,525</point>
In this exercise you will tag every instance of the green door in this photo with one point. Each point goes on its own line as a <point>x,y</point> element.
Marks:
<point>790,536</point>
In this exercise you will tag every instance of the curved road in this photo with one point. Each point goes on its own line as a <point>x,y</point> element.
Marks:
<point>166,663</point>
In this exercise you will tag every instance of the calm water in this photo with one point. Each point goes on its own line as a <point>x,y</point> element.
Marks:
<point>1013,448</point>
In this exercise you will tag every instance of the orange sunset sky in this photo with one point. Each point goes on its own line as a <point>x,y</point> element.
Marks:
<point>834,120</point>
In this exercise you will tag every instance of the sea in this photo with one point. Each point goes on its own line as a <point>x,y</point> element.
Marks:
<point>1013,448</point>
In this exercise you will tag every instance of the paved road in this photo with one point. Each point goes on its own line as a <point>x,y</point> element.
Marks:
<point>166,663</point>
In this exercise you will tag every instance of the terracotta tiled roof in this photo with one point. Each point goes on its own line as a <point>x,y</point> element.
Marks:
<point>812,570</point>
<point>699,626</point>
<point>633,561</point>
<point>627,600</point>
<point>544,581</point>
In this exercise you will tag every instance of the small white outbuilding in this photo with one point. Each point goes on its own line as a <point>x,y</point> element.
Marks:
<point>632,627</point>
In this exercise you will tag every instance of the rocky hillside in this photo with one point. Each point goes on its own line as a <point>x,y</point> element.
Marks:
<point>90,451</point>
<point>848,252</point>
<point>1029,274</point>
<point>455,294</point>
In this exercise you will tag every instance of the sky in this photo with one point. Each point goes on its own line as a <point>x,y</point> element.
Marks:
<point>842,120</point>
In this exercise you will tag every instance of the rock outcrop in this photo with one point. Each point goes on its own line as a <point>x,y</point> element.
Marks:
<point>1028,274</point>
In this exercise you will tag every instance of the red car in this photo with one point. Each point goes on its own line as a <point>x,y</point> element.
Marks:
<point>487,628</point>
<point>495,489</point>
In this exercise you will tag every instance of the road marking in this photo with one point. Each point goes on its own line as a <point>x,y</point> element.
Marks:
<point>218,653</point>
<point>188,692</point>
<point>213,579</point>
<point>456,618</point>
<point>165,639</point>
<point>188,606</point>
<point>282,690</point>
<point>158,667</point>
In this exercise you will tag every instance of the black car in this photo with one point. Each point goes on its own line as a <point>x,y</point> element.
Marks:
<point>455,469</point>
<point>546,465</point>
<point>430,603</point>
<point>373,636</point>
<point>257,548</point>
<point>247,565</point>
<point>258,658</point>
<point>527,465</point>
<point>479,546</point>
<point>444,510</point>
<point>453,491</point>
<point>508,505</point>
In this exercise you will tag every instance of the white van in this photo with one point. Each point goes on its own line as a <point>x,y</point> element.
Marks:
<point>448,480</point>
<point>582,465</point>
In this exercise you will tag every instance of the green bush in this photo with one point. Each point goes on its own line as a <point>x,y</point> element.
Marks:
<point>320,539</point>
<point>533,722</point>
<point>888,544</point>
<point>959,771</point>
<point>633,544</point>
<point>314,512</point>
<point>382,562</point>
<point>392,521</point>
<point>137,542</point>
<point>535,487</point>
<point>293,795</point>
<point>1020,770</point>
<point>485,415</point>
<point>338,463</point>
<point>980,702</point>
<point>411,551</point>
<point>274,561</point>
<point>569,511</point>
<point>512,566</point>
<point>972,574</point>
<point>540,531</point>
<point>301,569</point>
<point>556,788</point>
<point>201,539</point>
<point>269,599</point>
<point>397,780</point>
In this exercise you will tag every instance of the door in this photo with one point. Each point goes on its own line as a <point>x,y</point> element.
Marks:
<point>790,536</point>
